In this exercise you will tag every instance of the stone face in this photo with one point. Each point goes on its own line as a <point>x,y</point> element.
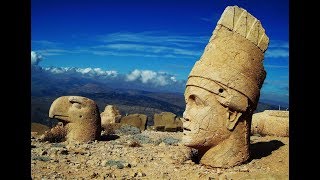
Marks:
<point>110,115</point>
<point>136,120</point>
<point>167,121</point>
<point>271,122</point>
<point>223,90</point>
<point>79,115</point>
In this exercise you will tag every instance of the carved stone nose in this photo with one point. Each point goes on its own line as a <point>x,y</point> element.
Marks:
<point>185,118</point>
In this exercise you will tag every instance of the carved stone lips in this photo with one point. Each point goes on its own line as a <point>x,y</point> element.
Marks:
<point>186,131</point>
<point>57,116</point>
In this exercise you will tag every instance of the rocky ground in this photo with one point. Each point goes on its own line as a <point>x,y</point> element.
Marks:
<point>151,155</point>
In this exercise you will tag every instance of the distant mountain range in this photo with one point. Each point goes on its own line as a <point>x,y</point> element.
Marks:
<point>46,88</point>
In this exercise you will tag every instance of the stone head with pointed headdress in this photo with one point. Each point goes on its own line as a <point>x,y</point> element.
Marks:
<point>223,90</point>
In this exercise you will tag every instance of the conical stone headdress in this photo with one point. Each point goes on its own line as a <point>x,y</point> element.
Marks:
<point>234,55</point>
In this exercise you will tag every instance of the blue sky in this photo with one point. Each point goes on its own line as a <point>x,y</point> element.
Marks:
<point>146,39</point>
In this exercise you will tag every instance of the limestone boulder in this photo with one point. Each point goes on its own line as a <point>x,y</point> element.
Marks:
<point>271,122</point>
<point>167,121</point>
<point>136,120</point>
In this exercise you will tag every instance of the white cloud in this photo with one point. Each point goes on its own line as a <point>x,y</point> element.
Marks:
<point>275,66</point>
<point>106,52</point>
<point>277,53</point>
<point>55,52</point>
<point>152,77</point>
<point>173,79</point>
<point>277,49</point>
<point>45,43</point>
<point>162,81</point>
<point>278,44</point>
<point>93,72</point>
<point>147,49</point>
<point>140,79</point>
<point>35,58</point>
<point>150,44</point>
<point>85,70</point>
<point>134,75</point>
<point>206,19</point>
<point>154,37</point>
<point>147,76</point>
<point>142,44</point>
<point>55,70</point>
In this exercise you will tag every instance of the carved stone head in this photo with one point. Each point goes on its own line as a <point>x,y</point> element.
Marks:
<point>110,115</point>
<point>223,90</point>
<point>79,115</point>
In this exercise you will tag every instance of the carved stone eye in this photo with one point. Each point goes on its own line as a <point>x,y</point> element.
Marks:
<point>76,105</point>
<point>192,97</point>
<point>195,100</point>
<point>220,90</point>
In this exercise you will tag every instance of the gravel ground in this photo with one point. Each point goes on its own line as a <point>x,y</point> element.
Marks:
<point>151,155</point>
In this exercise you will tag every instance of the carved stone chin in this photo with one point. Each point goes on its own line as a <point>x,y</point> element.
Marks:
<point>223,89</point>
<point>80,117</point>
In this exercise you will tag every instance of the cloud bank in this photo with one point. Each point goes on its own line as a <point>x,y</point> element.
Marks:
<point>138,78</point>
<point>35,58</point>
<point>142,44</point>
<point>147,76</point>
<point>90,72</point>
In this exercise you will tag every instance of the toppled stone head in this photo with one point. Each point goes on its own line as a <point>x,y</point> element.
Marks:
<point>110,115</point>
<point>223,90</point>
<point>80,117</point>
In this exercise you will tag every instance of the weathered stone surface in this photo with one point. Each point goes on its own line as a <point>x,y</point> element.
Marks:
<point>240,21</point>
<point>223,90</point>
<point>110,115</point>
<point>79,115</point>
<point>136,120</point>
<point>167,121</point>
<point>271,122</point>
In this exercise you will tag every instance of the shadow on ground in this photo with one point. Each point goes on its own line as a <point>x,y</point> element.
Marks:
<point>108,137</point>
<point>262,149</point>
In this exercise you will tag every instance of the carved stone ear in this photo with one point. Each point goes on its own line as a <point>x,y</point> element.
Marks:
<point>232,119</point>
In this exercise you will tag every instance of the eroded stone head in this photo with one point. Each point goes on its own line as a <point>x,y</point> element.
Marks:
<point>110,115</point>
<point>79,115</point>
<point>223,89</point>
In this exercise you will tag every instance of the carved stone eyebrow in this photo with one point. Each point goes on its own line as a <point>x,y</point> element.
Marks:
<point>221,91</point>
<point>74,99</point>
<point>210,85</point>
<point>196,98</point>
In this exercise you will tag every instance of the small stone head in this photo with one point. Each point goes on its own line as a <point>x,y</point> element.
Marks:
<point>79,115</point>
<point>110,115</point>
